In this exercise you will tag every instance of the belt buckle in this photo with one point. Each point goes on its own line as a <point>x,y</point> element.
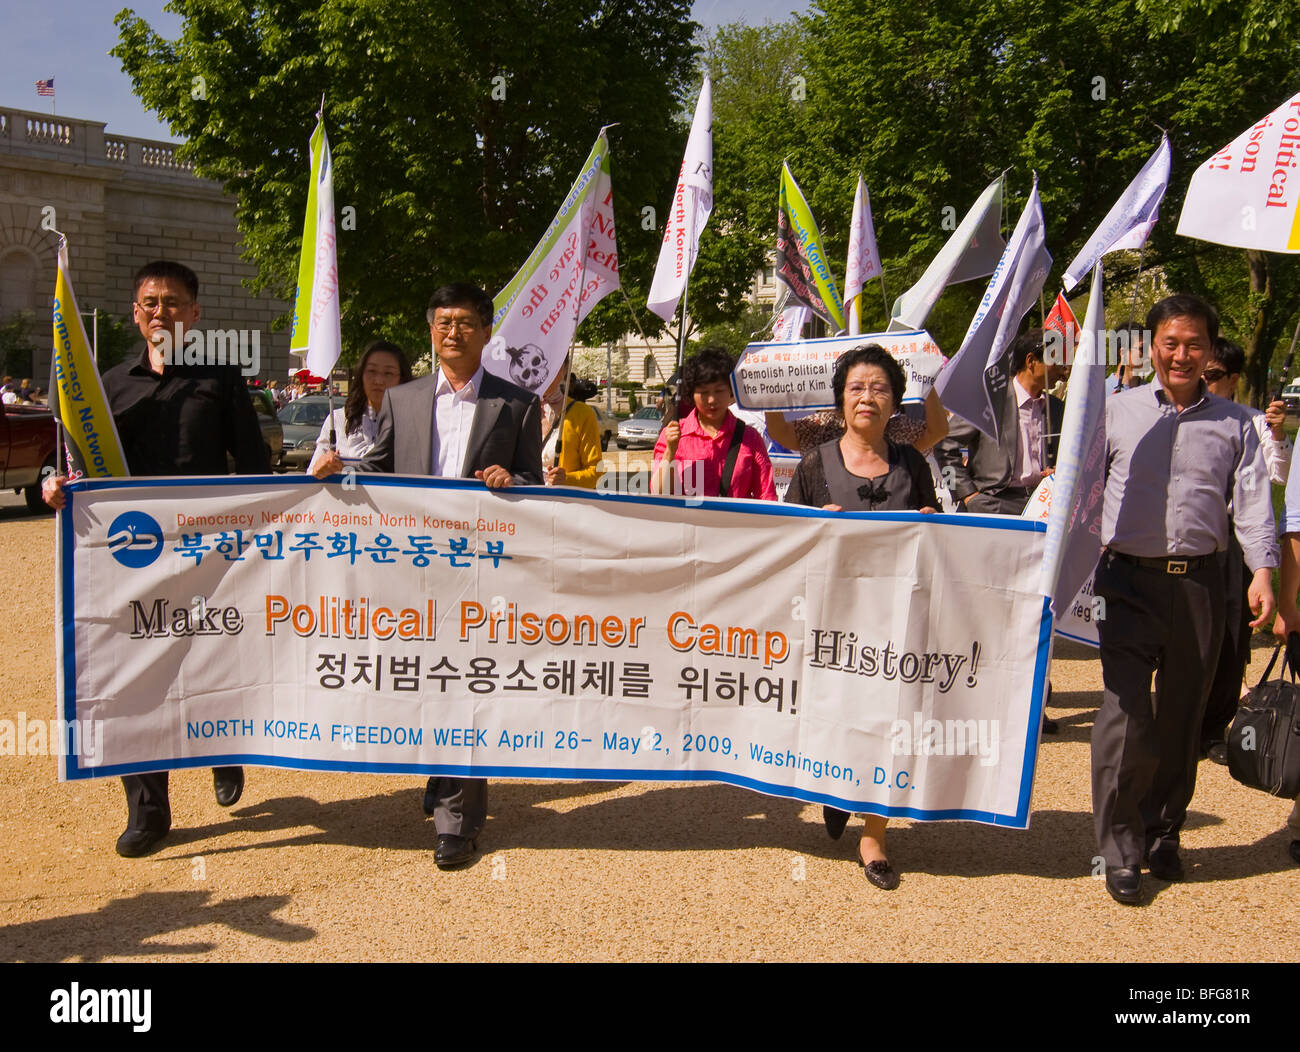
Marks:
<point>1176,566</point>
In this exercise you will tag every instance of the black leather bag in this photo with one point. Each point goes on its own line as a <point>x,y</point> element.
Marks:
<point>1264,740</point>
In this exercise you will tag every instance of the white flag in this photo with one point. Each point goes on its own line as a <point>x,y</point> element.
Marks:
<point>692,203</point>
<point>1128,224</point>
<point>572,268</point>
<point>1241,196</point>
<point>974,383</point>
<point>972,252</point>
<point>789,324</point>
<point>324,337</point>
<point>1074,524</point>
<point>864,259</point>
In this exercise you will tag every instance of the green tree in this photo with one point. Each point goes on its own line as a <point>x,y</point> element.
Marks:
<point>455,129</point>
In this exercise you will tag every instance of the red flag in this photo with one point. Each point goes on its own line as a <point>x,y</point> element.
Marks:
<point>1062,320</point>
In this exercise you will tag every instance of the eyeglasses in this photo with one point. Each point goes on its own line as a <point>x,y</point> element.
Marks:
<point>875,390</point>
<point>171,305</point>
<point>443,326</point>
<point>1213,376</point>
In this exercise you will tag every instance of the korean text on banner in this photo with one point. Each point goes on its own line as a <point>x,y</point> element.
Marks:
<point>892,663</point>
<point>94,449</point>
<point>572,268</point>
<point>1241,196</point>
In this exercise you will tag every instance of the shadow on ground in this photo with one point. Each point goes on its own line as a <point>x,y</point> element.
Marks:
<point>122,927</point>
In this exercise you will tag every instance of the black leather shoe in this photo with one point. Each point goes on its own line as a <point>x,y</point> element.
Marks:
<point>451,850</point>
<point>1217,753</point>
<point>1051,726</point>
<point>1124,884</point>
<point>1166,864</point>
<point>1295,851</point>
<point>228,785</point>
<point>835,820</point>
<point>136,842</point>
<point>880,873</point>
<point>430,798</point>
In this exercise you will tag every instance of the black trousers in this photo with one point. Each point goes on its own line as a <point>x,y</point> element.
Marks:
<point>1234,654</point>
<point>147,805</point>
<point>1145,748</point>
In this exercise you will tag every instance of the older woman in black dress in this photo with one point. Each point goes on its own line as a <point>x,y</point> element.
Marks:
<point>864,471</point>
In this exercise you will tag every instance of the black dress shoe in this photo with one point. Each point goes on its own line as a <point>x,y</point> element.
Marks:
<point>136,842</point>
<point>1295,851</point>
<point>451,850</point>
<point>835,820</point>
<point>1124,884</point>
<point>430,797</point>
<point>1050,726</point>
<point>228,785</point>
<point>1166,864</point>
<point>1217,752</point>
<point>880,873</point>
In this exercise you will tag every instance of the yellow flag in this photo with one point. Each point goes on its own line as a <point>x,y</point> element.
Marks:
<point>307,253</point>
<point>94,448</point>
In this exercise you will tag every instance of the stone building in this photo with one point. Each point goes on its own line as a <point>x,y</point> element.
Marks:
<point>122,202</point>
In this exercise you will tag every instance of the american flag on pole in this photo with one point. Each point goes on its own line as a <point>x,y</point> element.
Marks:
<point>45,87</point>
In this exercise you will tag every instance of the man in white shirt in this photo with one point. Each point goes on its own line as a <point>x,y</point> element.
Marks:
<point>461,422</point>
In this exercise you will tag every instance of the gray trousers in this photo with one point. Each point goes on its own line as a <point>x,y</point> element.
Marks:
<point>462,805</point>
<point>1145,749</point>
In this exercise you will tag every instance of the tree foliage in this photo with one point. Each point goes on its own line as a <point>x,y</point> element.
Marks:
<point>455,130</point>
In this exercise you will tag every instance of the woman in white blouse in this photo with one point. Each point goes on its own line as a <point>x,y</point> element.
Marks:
<point>356,422</point>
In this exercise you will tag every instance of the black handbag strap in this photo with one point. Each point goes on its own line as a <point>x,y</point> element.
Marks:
<point>1292,645</point>
<point>724,488</point>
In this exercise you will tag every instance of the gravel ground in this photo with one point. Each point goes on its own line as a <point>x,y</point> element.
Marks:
<point>310,867</point>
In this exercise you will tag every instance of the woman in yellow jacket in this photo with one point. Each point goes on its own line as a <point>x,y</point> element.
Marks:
<point>571,452</point>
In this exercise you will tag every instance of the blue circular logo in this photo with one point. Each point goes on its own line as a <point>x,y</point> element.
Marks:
<point>135,539</point>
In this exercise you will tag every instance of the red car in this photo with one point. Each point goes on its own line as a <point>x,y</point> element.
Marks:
<point>26,450</point>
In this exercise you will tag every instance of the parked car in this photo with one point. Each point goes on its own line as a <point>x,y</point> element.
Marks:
<point>1291,396</point>
<point>26,450</point>
<point>640,429</point>
<point>301,420</point>
<point>607,422</point>
<point>268,420</point>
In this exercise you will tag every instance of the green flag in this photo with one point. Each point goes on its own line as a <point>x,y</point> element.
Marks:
<point>307,254</point>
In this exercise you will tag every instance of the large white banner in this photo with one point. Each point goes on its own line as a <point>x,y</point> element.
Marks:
<point>797,374</point>
<point>1241,195</point>
<point>891,663</point>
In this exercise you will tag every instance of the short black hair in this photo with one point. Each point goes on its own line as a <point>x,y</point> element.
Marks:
<point>1027,343</point>
<point>1229,355</point>
<point>462,294</point>
<point>868,354</point>
<point>712,365</point>
<point>167,268</point>
<point>1184,305</point>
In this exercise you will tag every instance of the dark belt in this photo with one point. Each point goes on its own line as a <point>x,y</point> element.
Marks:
<point>1174,564</point>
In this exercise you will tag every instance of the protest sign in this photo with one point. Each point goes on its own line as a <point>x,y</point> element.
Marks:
<point>892,662</point>
<point>797,374</point>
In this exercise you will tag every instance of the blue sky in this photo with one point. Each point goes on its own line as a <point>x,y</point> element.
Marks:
<point>69,41</point>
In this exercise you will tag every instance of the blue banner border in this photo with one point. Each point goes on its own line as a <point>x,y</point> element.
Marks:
<point>74,771</point>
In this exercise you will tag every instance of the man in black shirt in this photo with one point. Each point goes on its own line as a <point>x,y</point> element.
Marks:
<point>174,420</point>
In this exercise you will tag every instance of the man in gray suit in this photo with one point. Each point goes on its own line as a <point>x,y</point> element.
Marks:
<point>460,422</point>
<point>998,478</point>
